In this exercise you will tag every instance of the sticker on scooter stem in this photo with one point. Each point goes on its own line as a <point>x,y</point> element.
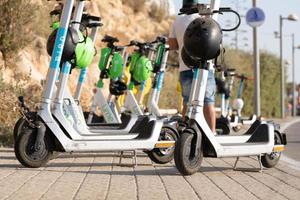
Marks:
<point>109,118</point>
<point>58,48</point>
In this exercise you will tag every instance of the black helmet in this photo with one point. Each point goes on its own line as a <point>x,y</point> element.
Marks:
<point>188,3</point>
<point>72,40</point>
<point>188,60</point>
<point>202,39</point>
<point>117,88</point>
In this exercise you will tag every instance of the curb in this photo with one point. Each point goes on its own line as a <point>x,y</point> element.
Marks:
<point>287,124</point>
<point>293,163</point>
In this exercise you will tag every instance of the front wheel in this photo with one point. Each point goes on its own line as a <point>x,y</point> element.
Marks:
<point>166,155</point>
<point>186,159</point>
<point>270,160</point>
<point>26,152</point>
<point>18,127</point>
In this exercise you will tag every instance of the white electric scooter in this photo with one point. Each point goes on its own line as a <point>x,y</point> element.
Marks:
<point>198,141</point>
<point>52,131</point>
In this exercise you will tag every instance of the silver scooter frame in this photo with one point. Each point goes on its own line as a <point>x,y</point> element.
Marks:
<point>224,146</point>
<point>77,142</point>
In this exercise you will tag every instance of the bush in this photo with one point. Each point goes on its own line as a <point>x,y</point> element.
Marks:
<point>9,106</point>
<point>15,29</point>
<point>270,84</point>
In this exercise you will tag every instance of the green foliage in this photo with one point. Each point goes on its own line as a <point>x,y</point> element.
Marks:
<point>270,81</point>
<point>9,105</point>
<point>270,84</point>
<point>15,29</point>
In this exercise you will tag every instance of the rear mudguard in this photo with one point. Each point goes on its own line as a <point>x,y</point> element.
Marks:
<point>172,126</point>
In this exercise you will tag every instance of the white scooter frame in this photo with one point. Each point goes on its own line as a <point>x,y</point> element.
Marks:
<point>260,142</point>
<point>75,141</point>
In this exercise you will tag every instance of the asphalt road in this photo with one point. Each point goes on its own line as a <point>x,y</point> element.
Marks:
<point>293,138</point>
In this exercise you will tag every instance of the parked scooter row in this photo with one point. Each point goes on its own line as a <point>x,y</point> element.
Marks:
<point>231,109</point>
<point>59,124</point>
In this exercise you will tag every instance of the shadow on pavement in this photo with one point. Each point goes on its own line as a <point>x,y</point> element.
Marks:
<point>7,150</point>
<point>85,155</point>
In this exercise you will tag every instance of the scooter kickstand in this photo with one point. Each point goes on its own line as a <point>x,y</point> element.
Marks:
<point>133,157</point>
<point>260,164</point>
<point>235,164</point>
<point>121,153</point>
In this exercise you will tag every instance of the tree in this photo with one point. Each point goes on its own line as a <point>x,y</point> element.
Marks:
<point>15,30</point>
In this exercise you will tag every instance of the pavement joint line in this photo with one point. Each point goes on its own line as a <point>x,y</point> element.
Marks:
<point>84,178</point>
<point>295,176</point>
<point>233,179</point>
<point>282,171</point>
<point>162,181</point>
<point>294,164</point>
<point>136,183</point>
<point>199,197</point>
<point>191,186</point>
<point>255,179</point>
<point>62,173</point>
<point>15,171</point>
<point>216,185</point>
<point>31,177</point>
<point>276,179</point>
<point>110,177</point>
<point>249,174</point>
<point>282,180</point>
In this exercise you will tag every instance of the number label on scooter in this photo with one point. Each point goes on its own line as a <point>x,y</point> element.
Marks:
<point>108,115</point>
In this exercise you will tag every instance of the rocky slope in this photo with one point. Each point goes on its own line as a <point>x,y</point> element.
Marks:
<point>125,19</point>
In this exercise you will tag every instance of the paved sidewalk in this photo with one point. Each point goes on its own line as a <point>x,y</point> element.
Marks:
<point>97,176</point>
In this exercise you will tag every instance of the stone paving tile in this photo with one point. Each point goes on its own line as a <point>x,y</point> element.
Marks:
<point>205,188</point>
<point>282,166</point>
<point>249,183</point>
<point>270,181</point>
<point>122,181</point>
<point>92,176</point>
<point>176,186</point>
<point>95,185</point>
<point>13,182</point>
<point>233,189</point>
<point>150,185</point>
<point>67,185</point>
<point>38,185</point>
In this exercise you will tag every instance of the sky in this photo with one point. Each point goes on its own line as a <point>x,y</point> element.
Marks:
<point>267,41</point>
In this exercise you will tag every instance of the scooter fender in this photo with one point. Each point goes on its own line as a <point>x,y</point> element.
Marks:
<point>202,141</point>
<point>194,129</point>
<point>172,125</point>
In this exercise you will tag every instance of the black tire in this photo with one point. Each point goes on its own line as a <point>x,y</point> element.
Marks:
<point>222,128</point>
<point>163,156</point>
<point>270,160</point>
<point>18,128</point>
<point>186,163</point>
<point>25,153</point>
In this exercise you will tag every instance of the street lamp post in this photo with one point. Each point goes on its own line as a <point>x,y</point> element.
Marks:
<point>291,17</point>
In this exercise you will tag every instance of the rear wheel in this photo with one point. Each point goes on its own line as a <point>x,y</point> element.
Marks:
<point>187,161</point>
<point>165,155</point>
<point>270,160</point>
<point>26,152</point>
